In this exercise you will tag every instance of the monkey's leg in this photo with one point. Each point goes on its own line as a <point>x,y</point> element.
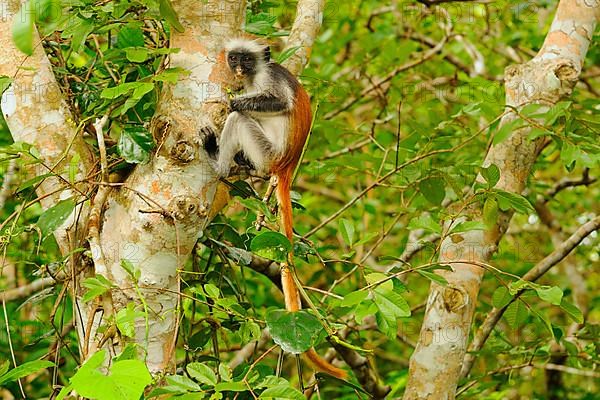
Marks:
<point>243,133</point>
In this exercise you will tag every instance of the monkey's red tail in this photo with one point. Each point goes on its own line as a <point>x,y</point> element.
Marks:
<point>290,291</point>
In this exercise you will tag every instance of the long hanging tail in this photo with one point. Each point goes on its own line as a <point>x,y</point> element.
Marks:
<point>290,291</point>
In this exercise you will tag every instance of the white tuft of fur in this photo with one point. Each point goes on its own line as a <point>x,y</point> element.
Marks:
<point>241,44</point>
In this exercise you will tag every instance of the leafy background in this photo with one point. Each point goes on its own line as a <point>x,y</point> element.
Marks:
<point>109,57</point>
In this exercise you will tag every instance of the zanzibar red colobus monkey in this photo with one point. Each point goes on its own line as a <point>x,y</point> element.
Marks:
<point>268,124</point>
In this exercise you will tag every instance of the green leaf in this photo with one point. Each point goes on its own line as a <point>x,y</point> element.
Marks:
<point>249,331</point>
<point>501,297</point>
<point>424,221</point>
<point>468,226</point>
<point>433,189</point>
<point>202,373</point>
<point>506,129</point>
<point>55,216</point>
<point>515,201</point>
<point>126,379</point>
<point>130,35</point>
<point>556,111</point>
<point>4,367</point>
<point>440,280</point>
<point>391,306</point>
<point>552,295</point>
<point>490,211</point>
<point>516,314</point>
<point>170,75</point>
<point>373,278</point>
<point>282,392</point>
<point>47,10</point>
<point>133,271</point>
<point>295,331</point>
<point>354,298</point>
<point>138,92</point>
<point>212,291</point>
<point>572,310</point>
<point>33,181</point>
<point>168,12</point>
<point>96,286</point>
<point>231,387</point>
<point>491,175</point>
<point>347,230</point>
<point>568,153</point>
<point>22,29</point>
<point>137,54</point>
<point>271,245</point>
<point>5,82</point>
<point>135,144</point>
<point>182,383</point>
<point>23,370</point>
<point>287,54</point>
<point>125,319</point>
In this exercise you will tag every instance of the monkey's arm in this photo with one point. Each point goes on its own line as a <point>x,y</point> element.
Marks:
<point>263,102</point>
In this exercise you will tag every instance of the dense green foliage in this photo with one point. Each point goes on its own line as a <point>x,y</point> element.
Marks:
<point>401,131</point>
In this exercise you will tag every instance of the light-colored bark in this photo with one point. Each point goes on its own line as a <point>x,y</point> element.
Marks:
<point>549,77</point>
<point>309,17</point>
<point>36,113</point>
<point>154,220</point>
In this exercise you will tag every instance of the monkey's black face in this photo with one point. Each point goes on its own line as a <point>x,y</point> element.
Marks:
<point>242,64</point>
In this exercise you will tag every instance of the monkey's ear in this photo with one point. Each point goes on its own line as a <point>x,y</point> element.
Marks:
<point>267,54</point>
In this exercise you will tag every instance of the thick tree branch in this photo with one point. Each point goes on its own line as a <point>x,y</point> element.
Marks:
<point>36,113</point>
<point>309,17</point>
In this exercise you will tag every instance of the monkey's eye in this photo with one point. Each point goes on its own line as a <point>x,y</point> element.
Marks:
<point>246,58</point>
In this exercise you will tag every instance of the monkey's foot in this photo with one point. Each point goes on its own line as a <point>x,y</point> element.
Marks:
<point>241,160</point>
<point>208,138</point>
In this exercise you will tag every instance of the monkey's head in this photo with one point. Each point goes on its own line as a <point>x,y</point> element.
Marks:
<point>246,57</point>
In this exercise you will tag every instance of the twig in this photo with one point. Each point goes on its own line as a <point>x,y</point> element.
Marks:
<point>408,65</point>
<point>570,370</point>
<point>394,171</point>
<point>99,128</point>
<point>249,349</point>
<point>260,218</point>
<point>568,182</point>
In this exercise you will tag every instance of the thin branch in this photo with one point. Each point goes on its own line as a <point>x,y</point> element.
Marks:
<point>532,275</point>
<point>570,370</point>
<point>99,128</point>
<point>406,66</point>
<point>28,289</point>
<point>358,363</point>
<point>565,183</point>
<point>394,171</point>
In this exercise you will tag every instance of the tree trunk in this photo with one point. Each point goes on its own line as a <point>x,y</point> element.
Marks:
<point>149,223</point>
<point>549,77</point>
<point>155,218</point>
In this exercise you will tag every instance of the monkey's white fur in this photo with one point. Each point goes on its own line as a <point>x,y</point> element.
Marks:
<point>242,129</point>
<point>244,45</point>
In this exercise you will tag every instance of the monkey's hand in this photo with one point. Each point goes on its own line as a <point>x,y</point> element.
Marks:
<point>208,138</point>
